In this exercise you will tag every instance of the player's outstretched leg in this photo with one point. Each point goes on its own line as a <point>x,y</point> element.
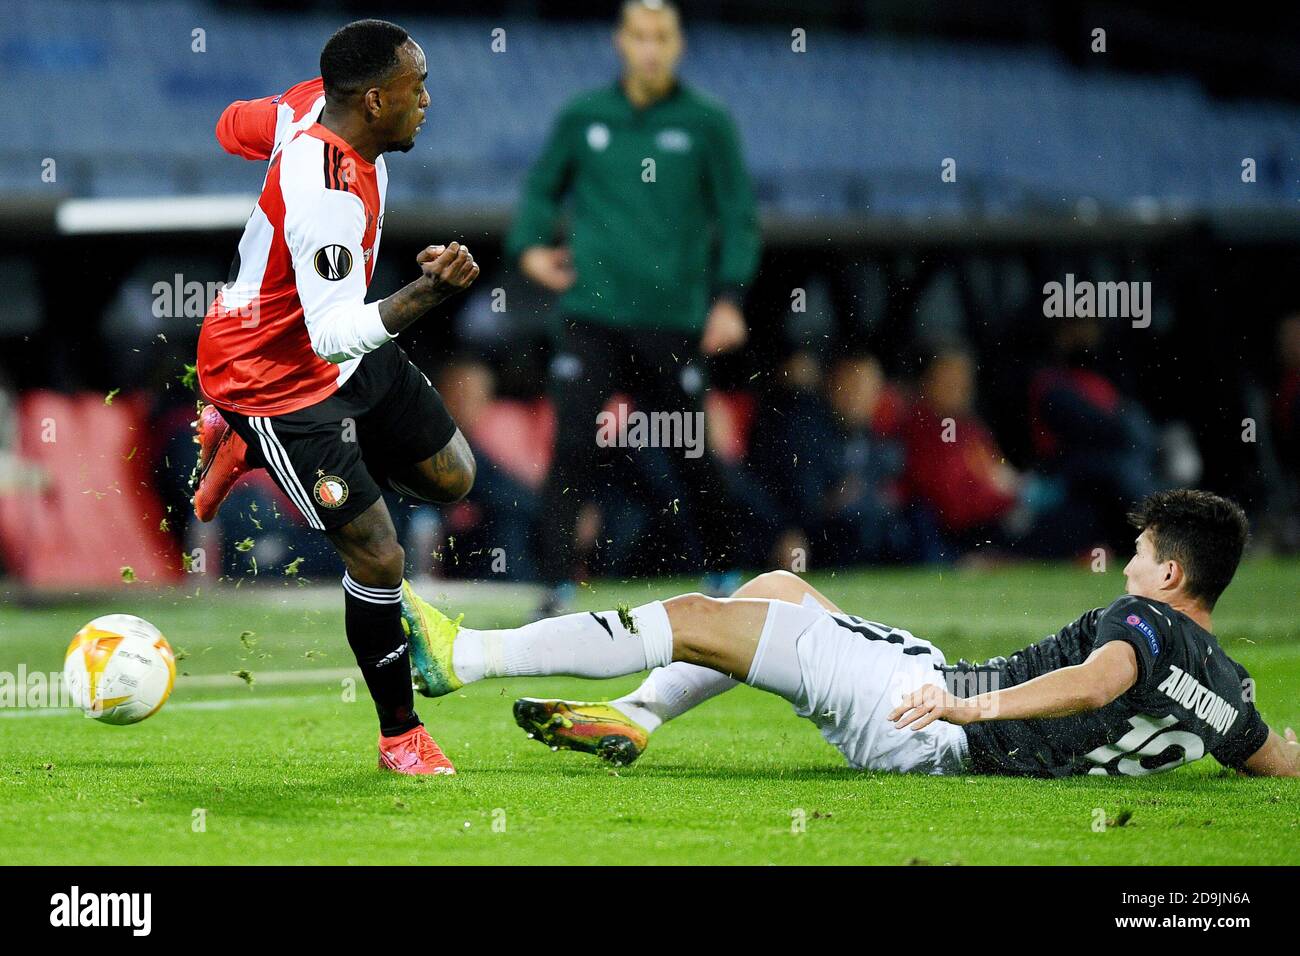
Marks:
<point>223,460</point>
<point>721,634</point>
<point>620,730</point>
<point>726,635</point>
<point>590,728</point>
<point>372,592</point>
<point>446,655</point>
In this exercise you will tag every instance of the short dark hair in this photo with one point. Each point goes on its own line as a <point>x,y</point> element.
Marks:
<point>1204,533</point>
<point>359,55</point>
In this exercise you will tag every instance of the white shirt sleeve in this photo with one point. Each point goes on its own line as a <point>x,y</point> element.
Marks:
<point>324,238</point>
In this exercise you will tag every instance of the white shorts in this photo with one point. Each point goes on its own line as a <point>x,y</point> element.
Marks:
<point>854,673</point>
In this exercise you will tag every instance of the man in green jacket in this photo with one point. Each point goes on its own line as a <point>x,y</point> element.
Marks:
<point>662,240</point>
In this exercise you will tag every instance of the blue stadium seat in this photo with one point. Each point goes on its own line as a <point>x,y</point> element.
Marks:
<point>853,124</point>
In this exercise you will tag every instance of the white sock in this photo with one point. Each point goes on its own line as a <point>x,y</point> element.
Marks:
<point>670,692</point>
<point>579,645</point>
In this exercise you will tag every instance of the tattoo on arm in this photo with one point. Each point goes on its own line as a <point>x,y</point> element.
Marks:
<point>408,303</point>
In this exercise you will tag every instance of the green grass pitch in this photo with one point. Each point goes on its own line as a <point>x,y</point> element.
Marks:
<point>284,770</point>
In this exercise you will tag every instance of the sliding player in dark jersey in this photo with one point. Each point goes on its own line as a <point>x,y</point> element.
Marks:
<point>1138,687</point>
<point>304,376</point>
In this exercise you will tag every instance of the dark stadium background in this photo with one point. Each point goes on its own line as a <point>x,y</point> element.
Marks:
<point>1117,166</point>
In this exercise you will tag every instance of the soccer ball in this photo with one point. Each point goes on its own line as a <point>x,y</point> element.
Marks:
<point>119,669</point>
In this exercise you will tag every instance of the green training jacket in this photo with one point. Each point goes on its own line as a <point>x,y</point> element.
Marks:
<point>653,244</point>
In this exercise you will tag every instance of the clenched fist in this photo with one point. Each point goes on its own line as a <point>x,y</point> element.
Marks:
<point>450,268</point>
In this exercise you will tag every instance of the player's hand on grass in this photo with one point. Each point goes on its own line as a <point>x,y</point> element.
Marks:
<point>724,330</point>
<point>1286,761</point>
<point>450,269</point>
<point>929,703</point>
<point>549,266</point>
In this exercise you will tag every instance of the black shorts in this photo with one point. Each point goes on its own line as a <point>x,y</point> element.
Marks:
<point>331,458</point>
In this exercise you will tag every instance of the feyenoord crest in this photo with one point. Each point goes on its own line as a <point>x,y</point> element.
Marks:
<point>331,491</point>
<point>333,262</point>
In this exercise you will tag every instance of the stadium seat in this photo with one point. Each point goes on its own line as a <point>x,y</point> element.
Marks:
<point>855,129</point>
<point>97,513</point>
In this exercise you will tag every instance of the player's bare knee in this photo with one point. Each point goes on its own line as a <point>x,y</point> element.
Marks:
<point>390,563</point>
<point>378,562</point>
<point>693,618</point>
<point>692,604</point>
<point>685,610</point>
<point>774,585</point>
<point>778,584</point>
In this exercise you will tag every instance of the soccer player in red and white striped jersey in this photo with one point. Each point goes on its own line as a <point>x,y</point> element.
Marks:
<point>304,376</point>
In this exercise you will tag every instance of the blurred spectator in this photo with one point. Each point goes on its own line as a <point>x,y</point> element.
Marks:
<point>493,527</point>
<point>956,473</point>
<point>954,465</point>
<point>1101,443</point>
<point>830,477</point>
